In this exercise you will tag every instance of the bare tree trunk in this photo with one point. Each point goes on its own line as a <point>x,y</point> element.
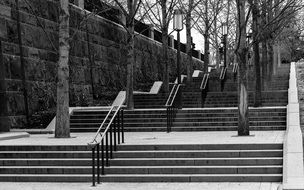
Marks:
<point>217,52</point>
<point>270,40</point>
<point>206,54</point>
<point>227,21</point>
<point>279,56</point>
<point>62,127</point>
<point>165,60</point>
<point>206,39</point>
<point>264,49</point>
<point>256,54</point>
<point>165,46</point>
<point>189,42</point>
<point>270,59</point>
<point>243,121</point>
<point>275,59</point>
<point>264,63</point>
<point>130,57</point>
<point>236,42</point>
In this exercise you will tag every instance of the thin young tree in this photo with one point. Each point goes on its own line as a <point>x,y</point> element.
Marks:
<point>62,127</point>
<point>160,14</point>
<point>188,7</point>
<point>207,11</point>
<point>129,11</point>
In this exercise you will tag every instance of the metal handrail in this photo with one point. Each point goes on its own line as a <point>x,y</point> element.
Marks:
<point>204,81</point>
<point>235,67</point>
<point>94,141</point>
<point>101,125</point>
<point>111,137</point>
<point>223,73</point>
<point>177,86</point>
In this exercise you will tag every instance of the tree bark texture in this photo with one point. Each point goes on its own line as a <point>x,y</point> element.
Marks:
<point>270,41</point>
<point>206,39</point>
<point>243,113</point>
<point>189,42</point>
<point>62,127</point>
<point>130,56</point>
<point>165,47</point>
<point>275,59</point>
<point>270,59</point>
<point>206,54</point>
<point>264,48</point>
<point>256,54</point>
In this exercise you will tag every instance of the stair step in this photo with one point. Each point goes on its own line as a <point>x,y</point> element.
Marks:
<point>194,178</point>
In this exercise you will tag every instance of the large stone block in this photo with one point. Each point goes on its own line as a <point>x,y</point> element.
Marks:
<point>5,124</point>
<point>17,121</point>
<point>35,70</point>
<point>3,29</point>
<point>12,32</point>
<point>5,11</point>
<point>12,66</point>
<point>3,104</point>
<point>50,72</point>
<point>10,48</point>
<point>41,96</point>
<point>13,85</point>
<point>15,103</point>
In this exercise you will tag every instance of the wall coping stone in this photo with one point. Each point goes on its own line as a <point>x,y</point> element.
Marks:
<point>293,169</point>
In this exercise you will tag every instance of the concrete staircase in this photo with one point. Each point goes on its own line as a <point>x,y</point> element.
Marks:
<point>274,93</point>
<point>146,163</point>
<point>150,101</point>
<point>186,120</point>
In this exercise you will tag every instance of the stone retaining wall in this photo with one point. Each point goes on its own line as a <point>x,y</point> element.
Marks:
<point>40,44</point>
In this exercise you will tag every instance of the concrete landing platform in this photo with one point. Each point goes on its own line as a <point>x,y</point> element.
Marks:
<point>217,137</point>
<point>141,186</point>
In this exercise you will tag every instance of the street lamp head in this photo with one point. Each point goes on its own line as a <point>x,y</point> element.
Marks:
<point>178,20</point>
<point>224,29</point>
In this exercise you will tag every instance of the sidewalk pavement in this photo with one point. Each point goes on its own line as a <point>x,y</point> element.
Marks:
<point>215,137</point>
<point>139,186</point>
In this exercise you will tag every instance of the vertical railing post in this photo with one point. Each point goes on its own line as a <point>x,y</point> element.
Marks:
<point>111,141</point>
<point>98,163</point>
<point>118,127</point>
<point>114,130</point>
<point>102,157</point>
<point>122,126</point>
<point>107,148</point>
<point>93,165</point>
<point>167,119</point>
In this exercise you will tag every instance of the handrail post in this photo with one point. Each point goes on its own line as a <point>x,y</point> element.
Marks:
<point>93,165</point>
<point>107,148</point>
<point>115,123</point>
<point>98,163</point>
<point>118,127</point>
<point>122,126</point>
<point>111,141</point>
<point>102,157</point>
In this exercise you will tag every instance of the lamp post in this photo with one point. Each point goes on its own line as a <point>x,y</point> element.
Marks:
<point>225,32</point>
<point>178,26</point>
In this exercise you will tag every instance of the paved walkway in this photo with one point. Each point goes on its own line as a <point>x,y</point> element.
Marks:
<point>217,137</point>
<point>140,186</point>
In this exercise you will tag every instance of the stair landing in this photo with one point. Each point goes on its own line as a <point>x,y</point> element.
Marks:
<point>214,137</point>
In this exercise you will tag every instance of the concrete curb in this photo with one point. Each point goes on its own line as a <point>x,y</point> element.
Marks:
<point>293,169</point>
<point>51,127</point>
<point>13,135</point>
<point>121,97</point>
